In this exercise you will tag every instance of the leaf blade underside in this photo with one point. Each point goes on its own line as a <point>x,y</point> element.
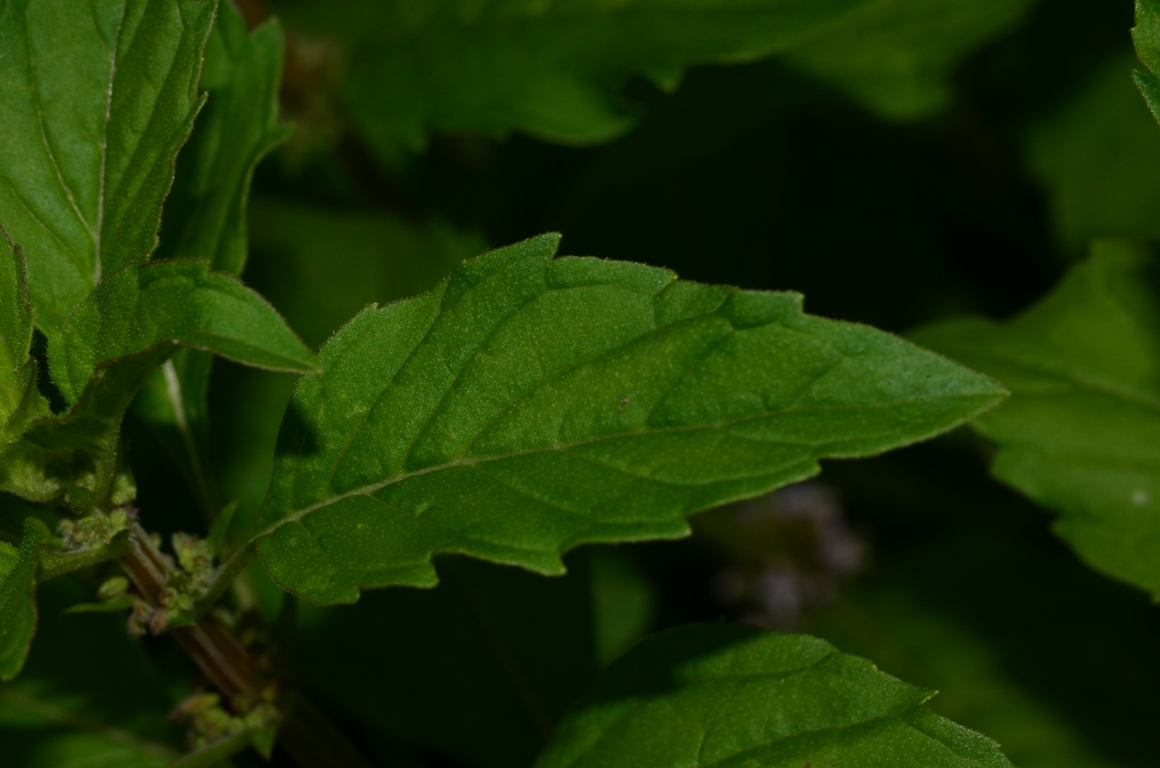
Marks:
<point>717,695</point>
<point>529,405</point>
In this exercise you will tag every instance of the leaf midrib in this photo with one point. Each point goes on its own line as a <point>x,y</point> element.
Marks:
<point>371,488</point>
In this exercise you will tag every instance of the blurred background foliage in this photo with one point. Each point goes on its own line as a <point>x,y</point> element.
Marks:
<point>924,158</point>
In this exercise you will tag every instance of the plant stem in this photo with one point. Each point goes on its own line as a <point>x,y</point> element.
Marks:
<point>306,735</point>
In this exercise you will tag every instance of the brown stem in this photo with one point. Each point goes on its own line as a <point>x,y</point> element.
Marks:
<point>307,736</point>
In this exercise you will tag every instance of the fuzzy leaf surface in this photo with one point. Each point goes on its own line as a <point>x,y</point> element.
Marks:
<point>18,600</point>
<point>895,56</point>
<point>89,138</point>
<point>720,694</point>
<point>529,405</point>
<point>551,69</point>
<point>166,304</point>
<point>1079,434</point>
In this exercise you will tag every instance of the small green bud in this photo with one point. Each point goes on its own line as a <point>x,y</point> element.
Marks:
<point>113,588</point>
<point>124,490</point>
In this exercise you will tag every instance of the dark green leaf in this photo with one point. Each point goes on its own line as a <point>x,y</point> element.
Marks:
<point>18,601</point>
<point>529,405</point>
<point>732,695</point>
<point>895,56</point>
<point>1098,157</point>
<point>88,696</point>
<point>89,138</point>
<point>916,640</point>
<point>552,70</point>
<point>481,668</point>
<point>1079,434</point>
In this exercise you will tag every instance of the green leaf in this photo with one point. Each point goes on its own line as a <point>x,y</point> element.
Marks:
<point>9,555</point>
<point>155,307</point>
<point>18,600</point>
<point>120,333</point>
<point>1146,36</point>
<point>733,695</point>
<point>918,640</point>
<point>205,216</point>
<point>89,138</point>
<point>1079,433</point>
<point>1098,157</point>
<point>89,695</point>
<point>20,402</point>
<point>481,668</point>
<point>529,405</point>
<point>552,70</point>
<point>896,56</point>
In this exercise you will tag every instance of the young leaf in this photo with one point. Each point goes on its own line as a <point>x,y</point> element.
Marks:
<point>205,216</point>
<point>90,137</point>
<point>120,333</point>
<point>529,405</point>
<point>1079,434</point>
<point>552,70</point>
<point>18,600</point>
<point>164,304</point>
<point>722,694</point>
<point>896,56</point>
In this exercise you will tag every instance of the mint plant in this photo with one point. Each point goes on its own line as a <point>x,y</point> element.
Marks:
<point>468,420</point>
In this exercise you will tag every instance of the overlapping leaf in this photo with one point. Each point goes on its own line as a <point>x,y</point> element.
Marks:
<point>895,56</point>
<point>551,69</point>
<point>89,138</point>
<point>1098,158</point>
<point>20,402</point>
<point>121,332</point>
<point>529,405</point>
<point>731,695</point>
<point>1080,432</point>
<point>205,216</point>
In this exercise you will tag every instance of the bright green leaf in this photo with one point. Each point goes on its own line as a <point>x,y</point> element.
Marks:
<point>1098,157</point>
<point>18,601</point>
<point>9,555</point>
<point>1079,433</point>
<point>895,56</point>
<point>89,138</point>
<point>732,695</point>
<point>529,405</point>
<point>550,69</point>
